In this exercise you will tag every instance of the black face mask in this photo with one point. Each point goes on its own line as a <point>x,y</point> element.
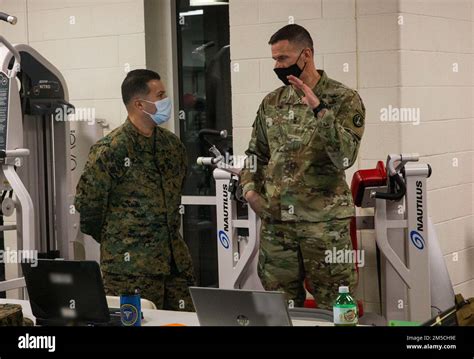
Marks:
<point>294,70</point>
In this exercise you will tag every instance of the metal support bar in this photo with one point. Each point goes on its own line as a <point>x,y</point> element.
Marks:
<point>12,284</point>
<point>10,227</point>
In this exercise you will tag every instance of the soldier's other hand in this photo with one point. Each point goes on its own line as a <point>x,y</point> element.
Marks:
<point>255,201</point>
<point>310,98</point>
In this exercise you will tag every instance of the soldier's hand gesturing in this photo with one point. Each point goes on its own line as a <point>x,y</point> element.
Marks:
<point>310,98</point>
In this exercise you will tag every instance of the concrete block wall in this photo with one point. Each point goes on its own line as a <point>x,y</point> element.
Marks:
<point>437,76</point>
<point>419,55</point>
<point>399,53</point>
<point>98,43</point>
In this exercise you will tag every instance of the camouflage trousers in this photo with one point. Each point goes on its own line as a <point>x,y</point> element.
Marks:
<point>292,253</point>
<point>167,292</point>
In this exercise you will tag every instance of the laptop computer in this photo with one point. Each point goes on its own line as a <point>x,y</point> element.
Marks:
<point>64,292</point>
<point>226,307</point>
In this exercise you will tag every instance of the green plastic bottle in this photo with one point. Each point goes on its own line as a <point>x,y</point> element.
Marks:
<point>345,309</point>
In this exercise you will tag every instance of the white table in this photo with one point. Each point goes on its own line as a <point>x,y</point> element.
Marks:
<point>157,318</point>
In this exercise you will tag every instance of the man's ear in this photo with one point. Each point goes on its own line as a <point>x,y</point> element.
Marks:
<point>137,105</point>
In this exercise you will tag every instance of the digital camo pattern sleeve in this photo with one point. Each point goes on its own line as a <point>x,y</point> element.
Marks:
<point>92,192</point>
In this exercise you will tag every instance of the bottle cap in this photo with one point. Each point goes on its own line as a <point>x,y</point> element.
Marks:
<point>343,290</point>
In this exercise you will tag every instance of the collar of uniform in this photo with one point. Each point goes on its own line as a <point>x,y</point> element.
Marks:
<point>139,140</point>
<point>320,87</point>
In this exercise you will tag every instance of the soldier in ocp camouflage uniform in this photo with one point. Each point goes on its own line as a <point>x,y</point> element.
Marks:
<point>305,136</point>
<point>129,197</point>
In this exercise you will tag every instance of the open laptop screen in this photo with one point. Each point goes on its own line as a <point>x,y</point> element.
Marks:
<point>66,290</point>
<point>224,307</point>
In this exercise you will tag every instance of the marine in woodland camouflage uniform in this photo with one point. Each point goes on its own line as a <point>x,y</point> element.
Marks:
<point>11,315</point>
<point>129,198</point>
<point>306,205</point>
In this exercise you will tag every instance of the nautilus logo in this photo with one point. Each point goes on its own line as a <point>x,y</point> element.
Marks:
<point>417,240</point>
<point>224,239</point>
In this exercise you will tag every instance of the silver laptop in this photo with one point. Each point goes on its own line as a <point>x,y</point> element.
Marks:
<point>225,307</point>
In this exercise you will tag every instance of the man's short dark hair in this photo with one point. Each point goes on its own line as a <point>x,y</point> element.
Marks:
<point>136,83</point>
<point>295,34</point>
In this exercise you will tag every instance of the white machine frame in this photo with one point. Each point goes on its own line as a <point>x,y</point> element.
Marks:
<point>42,219</point>
<point>409,291</point>
<point>237,255</point>
<point>406,260</point>
<point>14,144</point>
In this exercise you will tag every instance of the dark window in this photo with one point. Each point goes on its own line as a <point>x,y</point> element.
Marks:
<point>205,103</point>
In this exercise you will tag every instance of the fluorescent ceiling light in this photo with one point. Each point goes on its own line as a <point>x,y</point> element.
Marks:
<point>191,13</point>
<point>208,2</point>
